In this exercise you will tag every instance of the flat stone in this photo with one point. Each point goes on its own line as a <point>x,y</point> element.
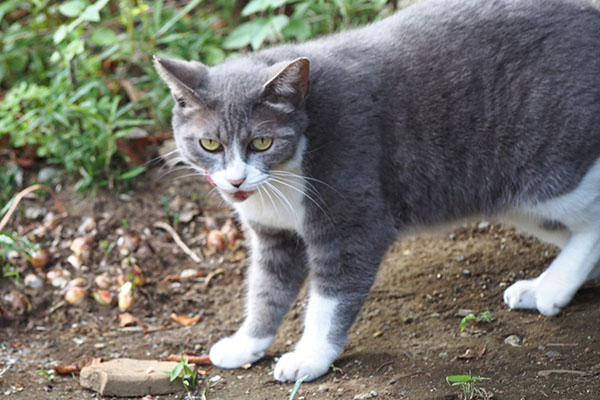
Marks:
<point>126,377</point>
<point>513,340</point>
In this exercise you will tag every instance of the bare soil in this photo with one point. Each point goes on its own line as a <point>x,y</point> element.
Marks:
<point>403,345</point>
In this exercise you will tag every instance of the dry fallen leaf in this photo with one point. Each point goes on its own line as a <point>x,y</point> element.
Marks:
<point>126,319</point>
<point>77,366</point>
<point>216,240</point>
<point>184,319</point>
<point>475,352</point>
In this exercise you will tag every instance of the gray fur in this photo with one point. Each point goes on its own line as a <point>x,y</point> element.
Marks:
<point>446,110</point>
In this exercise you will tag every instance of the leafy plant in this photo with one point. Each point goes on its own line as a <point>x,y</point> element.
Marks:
<point>484,316</point>
<point>77,75</point>
<point>10,179</point>
<point>186,373</point>
<point>468,385</point>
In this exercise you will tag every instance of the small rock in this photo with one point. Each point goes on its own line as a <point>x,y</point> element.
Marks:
<point>373,393</point>
<point>34,213</point>
<point>483,225</point>
<point>127,377</point>
<point>362,396</point>
<point>323,388</point>
<point>513,340</point>
<point>466,272</point>
<point>48,175</point>
<point>463,312</point>
<point>552,354</point>
<point>33,281</point>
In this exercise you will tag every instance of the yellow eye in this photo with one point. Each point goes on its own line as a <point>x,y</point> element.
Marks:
<point>210,145</point>
<point>261,143</point>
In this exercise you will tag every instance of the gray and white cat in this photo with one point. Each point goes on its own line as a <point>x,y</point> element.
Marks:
<point>448,109</point>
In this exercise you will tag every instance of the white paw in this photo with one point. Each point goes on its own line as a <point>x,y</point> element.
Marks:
<point>538,294</point>
<point>296,365</point>
<point>521,295</point>
<point>237,350</point>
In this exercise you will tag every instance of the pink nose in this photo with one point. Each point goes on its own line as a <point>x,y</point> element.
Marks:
<point>236,182</point>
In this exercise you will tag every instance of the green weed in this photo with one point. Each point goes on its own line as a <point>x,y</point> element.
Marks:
<point>468,385</point>
<point>186,373</point>
<point>484,316</point>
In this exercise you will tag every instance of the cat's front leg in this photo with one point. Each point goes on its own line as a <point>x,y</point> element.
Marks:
<point>342,274</point>
<point>277,271</point>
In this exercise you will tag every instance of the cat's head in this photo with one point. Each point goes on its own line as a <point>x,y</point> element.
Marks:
<point>238,121</point>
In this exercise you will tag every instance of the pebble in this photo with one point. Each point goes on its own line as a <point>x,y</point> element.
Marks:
<point>552,354</point>
<point>483,225</point>
<point>463,312</point>
<point>513,340</point>
<point>33,281</point>
<point>48,175</point>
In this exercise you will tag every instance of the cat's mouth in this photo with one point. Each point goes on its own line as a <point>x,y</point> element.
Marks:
<point>241,195</point>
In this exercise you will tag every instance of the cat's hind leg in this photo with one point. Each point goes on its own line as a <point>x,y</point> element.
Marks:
<point>555,288</point>
<point>278,269</point>
<point>577,263</point>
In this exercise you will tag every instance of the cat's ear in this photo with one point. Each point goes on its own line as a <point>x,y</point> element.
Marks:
<point>287,86</point>
<point>183,78</point>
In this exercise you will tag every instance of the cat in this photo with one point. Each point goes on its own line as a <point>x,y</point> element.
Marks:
<point>329,150</point>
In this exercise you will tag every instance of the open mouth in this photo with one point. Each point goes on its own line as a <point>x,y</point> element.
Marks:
<point>241,195</point>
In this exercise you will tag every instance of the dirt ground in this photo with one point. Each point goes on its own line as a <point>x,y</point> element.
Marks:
<point>403,345</point>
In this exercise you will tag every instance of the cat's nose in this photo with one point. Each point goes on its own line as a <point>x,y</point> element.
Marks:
<point>236,182</point>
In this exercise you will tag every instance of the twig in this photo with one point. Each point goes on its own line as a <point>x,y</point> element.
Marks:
<point>17,199</point>
<point>178,241</point>
<point>192,358</point>
<point>382,366</point>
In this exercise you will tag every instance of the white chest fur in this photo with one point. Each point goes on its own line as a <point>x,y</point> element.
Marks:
<point>279,203</point>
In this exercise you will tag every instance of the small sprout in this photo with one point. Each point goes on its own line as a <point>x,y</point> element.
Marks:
<point>186,373</point>
<point>484,316</point>
<point>468,384</point>
<point>46,373</point>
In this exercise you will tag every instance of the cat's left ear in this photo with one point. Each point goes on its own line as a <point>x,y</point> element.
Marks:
<point>184,78</point>
<point>287,87</point>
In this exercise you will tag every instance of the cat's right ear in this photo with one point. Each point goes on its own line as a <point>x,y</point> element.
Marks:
<point>184,78</point>
<point>287,86</point>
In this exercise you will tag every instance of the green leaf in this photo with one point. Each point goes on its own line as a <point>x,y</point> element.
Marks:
<point>132,174</point>
<point>255,6</point>
<point>271,28</point>
<point>180,14</point>
<point>243,34</point>
<point>72,8</point>
<point>92,13</point>
<point>103,36</point>
<point>176,371</point>
<point>60,34</point>
<point>298,28</point>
